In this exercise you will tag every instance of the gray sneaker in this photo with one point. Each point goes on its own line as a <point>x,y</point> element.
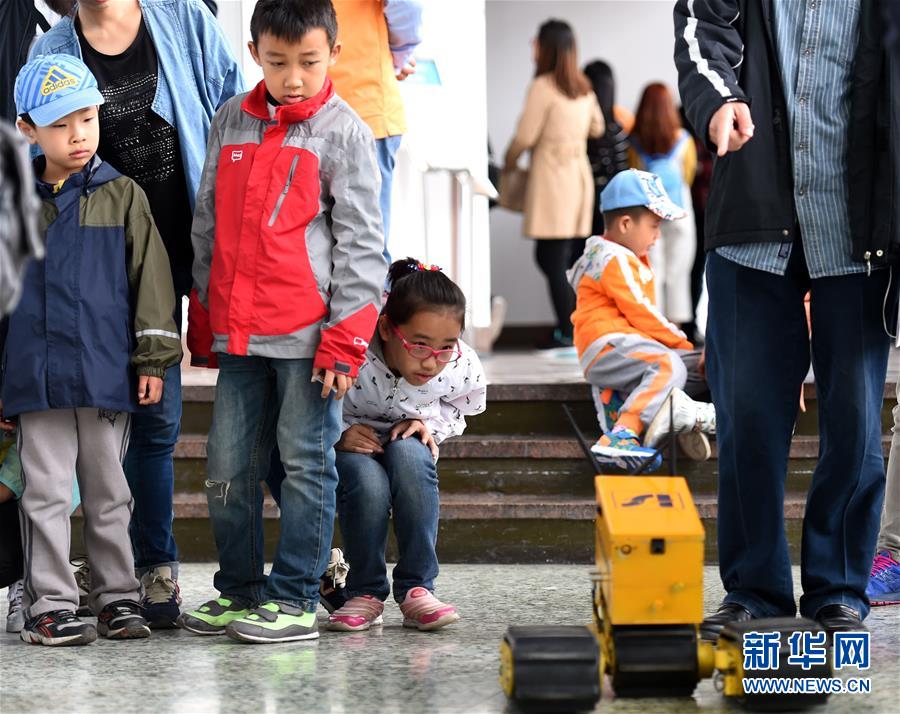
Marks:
<point>274,622</point>
<point>83,581</point>
<point>15,618</point>
<point>212,616</point>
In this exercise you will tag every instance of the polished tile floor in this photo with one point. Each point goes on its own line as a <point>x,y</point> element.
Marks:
<point>388,669</point>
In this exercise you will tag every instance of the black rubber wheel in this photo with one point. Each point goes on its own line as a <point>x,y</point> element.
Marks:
<point>550,668</point>
<point>654,660</point>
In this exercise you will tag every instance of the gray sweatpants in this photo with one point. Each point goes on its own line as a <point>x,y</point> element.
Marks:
<point>55,445</point>
<point>889,535</point>
<point>644,370</point>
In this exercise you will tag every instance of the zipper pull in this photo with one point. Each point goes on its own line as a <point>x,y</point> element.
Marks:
<point>868,256</point>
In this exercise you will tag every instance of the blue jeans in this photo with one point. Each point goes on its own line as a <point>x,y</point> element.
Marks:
<point>150,472</point>
<point>758,353</point>
<point>386,153</point>
<point>261,402</point>
<point>403,483</point>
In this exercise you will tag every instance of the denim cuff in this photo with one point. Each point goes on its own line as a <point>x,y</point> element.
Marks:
<point>809,607</point>
<point>755,605</point>
<point>147,568</point>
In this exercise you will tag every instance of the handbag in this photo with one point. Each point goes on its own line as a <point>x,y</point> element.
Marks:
<point>513,183</point>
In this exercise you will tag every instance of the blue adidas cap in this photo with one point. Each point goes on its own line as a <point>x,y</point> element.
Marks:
<point>639,188</point>
<point>51,86</point>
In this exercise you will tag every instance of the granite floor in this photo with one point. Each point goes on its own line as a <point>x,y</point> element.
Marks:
<point>388,669</point>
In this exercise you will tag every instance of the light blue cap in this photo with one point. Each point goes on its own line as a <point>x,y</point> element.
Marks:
<point>51,86</point>
<point>631,188</point>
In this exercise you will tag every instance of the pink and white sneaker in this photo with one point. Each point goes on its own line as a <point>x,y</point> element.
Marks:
<point>424,611</point>
<point>357,614</point>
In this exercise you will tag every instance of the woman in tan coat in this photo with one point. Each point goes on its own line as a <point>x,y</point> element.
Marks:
<point>561,112</point>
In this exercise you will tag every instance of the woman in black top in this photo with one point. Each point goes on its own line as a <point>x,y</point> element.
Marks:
<point>608,154</point>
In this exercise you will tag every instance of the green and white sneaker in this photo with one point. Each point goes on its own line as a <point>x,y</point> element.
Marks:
<point>212,617</point>
<point>274,622</point>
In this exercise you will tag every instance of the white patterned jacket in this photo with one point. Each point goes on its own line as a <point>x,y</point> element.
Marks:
<point>380,399</point>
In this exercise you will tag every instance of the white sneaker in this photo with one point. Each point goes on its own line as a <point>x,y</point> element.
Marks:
<point>695,445</point>
<point>15,618</point>
<point>687,418</point>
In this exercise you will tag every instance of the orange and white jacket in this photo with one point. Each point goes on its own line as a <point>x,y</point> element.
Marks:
<point>614,295</point>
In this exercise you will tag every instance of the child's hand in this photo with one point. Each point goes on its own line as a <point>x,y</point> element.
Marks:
<point>360,439</point>
<point>409,427</point>
<point>6,494</point>
<point>7,425</point>
<point>150,389</point>
<point>340,383</point>
<point>408,69</point>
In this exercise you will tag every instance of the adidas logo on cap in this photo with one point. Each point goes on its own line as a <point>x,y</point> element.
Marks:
<point>57,79</point>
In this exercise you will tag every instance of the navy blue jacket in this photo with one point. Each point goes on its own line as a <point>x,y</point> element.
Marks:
<point>99,303</point>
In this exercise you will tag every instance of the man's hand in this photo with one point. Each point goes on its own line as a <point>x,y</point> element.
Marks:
<point>7,425</point>
<point>731,127</point>
<point>407,70</point>
<point>340,383</point>
<point>150,389</point>
<point>360,439</point>
<point>409,427</point>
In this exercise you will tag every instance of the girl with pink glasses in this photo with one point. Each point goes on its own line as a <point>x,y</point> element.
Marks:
<point>418,383</point>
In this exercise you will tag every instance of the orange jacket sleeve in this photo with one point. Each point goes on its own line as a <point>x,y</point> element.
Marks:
<point>621,283</point>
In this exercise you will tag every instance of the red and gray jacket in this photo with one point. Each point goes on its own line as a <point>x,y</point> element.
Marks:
<point>287,234</point>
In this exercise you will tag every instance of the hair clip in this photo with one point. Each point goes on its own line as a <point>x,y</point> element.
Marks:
<point>426,266</point>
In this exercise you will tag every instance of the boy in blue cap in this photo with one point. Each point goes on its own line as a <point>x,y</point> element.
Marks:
<point>87,345</point>
<point>634,358</point>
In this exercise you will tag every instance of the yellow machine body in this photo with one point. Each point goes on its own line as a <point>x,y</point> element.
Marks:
<point>649,550</point>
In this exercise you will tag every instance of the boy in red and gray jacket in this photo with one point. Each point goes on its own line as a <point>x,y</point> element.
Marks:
<point>287,273</point>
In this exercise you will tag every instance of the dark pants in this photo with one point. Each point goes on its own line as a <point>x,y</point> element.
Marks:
<point>150,469</point>
<point>11,565</point>
<point>758,353</point>
<point>554,257</point>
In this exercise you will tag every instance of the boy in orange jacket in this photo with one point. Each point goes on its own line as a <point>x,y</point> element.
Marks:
<point>633,357</point>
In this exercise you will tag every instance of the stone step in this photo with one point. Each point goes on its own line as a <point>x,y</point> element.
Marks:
<point>529,418</point>
<point>566,392</point>
<point>570,477</point>
<point>493,506</point>
<point>500,446</point>
<point>475,528</point>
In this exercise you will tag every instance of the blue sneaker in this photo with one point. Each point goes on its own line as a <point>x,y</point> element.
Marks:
<point>621,448</point>
<point>884,581</point>
<point>609,403</point>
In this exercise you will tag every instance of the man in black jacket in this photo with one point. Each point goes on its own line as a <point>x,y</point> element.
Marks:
<point>797,101</point>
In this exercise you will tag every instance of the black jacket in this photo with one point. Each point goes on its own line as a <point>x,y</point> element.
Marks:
<point>725,52</point>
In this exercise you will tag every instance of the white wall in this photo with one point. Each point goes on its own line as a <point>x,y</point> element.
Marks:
<point>634,36</point>
<point>447,125</point>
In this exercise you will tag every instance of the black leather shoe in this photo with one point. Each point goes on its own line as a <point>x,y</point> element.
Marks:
<point>839,618</point>
<point>727,612</point>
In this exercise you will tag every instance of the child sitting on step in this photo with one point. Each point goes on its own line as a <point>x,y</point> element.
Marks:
<point>418,383</point>
<point>634,358</point>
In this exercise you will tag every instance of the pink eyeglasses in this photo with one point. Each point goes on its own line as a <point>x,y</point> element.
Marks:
<point>420,351</point>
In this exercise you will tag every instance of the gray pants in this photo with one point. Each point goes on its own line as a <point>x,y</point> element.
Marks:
<point>889,535</point>
<point>55,445</point>
<point>644,370</point>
